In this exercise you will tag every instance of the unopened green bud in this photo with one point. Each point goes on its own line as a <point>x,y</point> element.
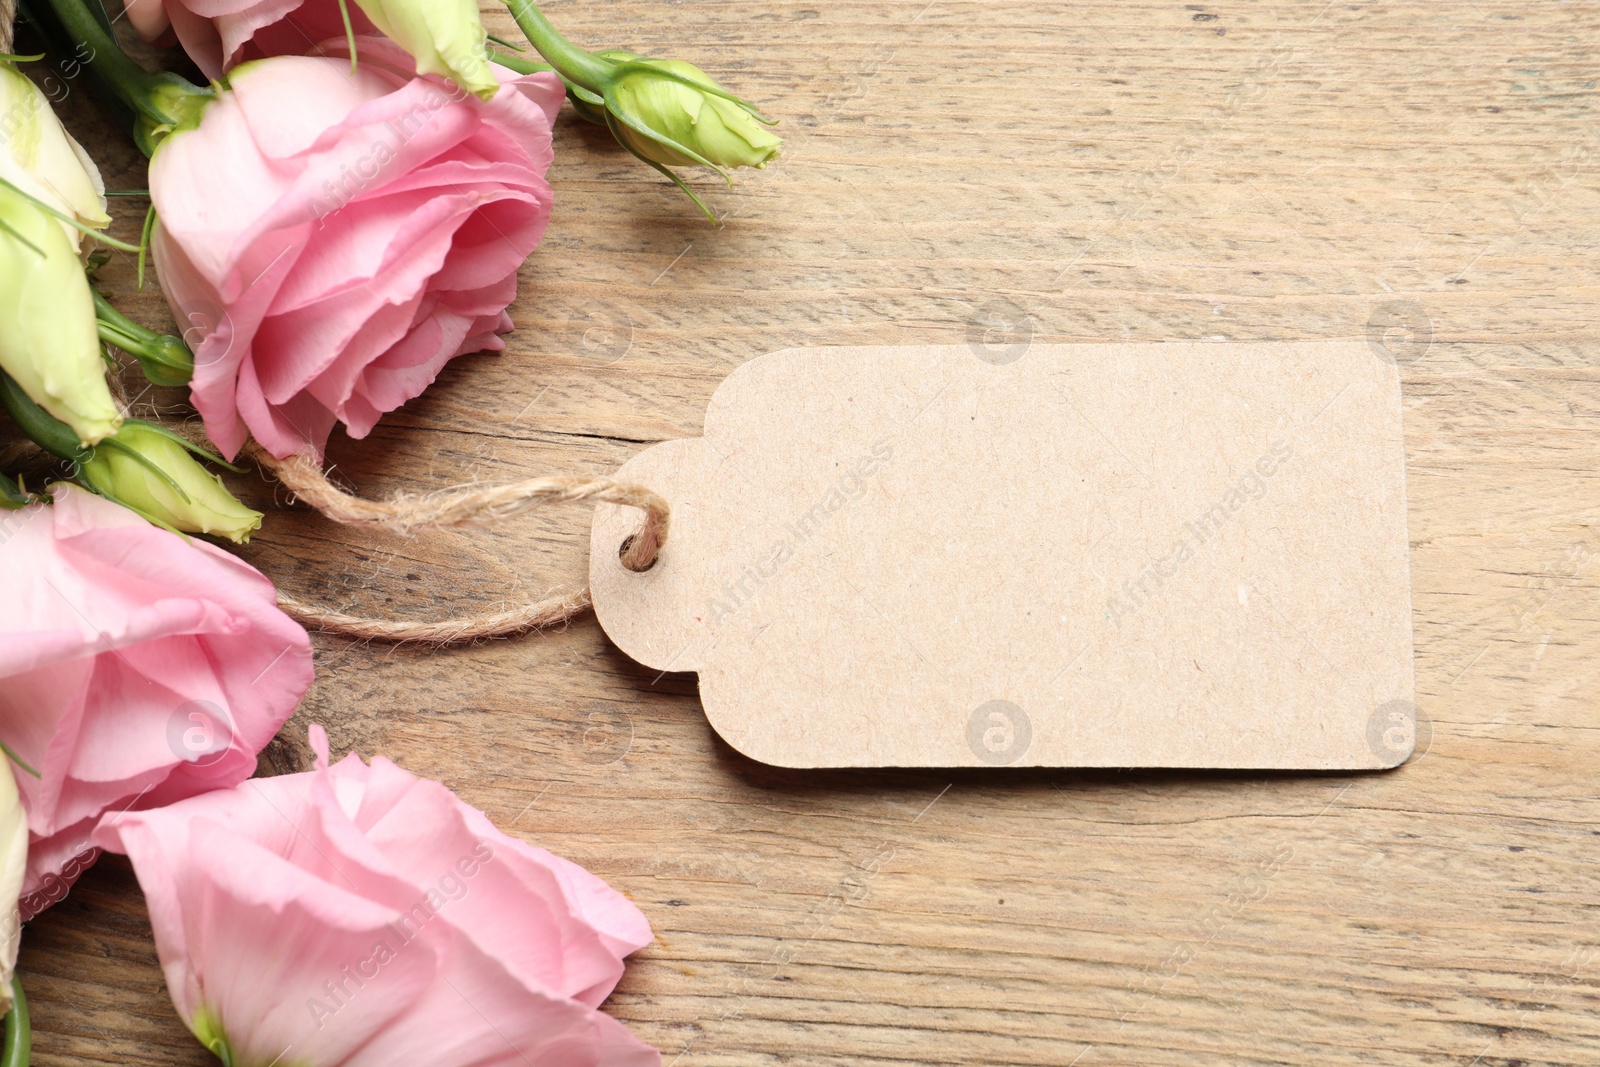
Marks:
<point>666,121</point>
<point>445,37</point>
<point>667,112</point>
<point>165,359</point>
<point>48,339</point>
<point>153,472</point>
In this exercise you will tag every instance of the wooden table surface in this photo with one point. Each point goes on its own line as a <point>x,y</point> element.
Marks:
<point>1094,171</point>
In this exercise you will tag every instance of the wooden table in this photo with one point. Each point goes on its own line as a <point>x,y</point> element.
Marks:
<point>1100,170</point>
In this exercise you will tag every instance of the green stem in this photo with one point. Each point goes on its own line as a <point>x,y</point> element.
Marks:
<point>112,334</point>
<point>132,82</point>
<point>163,101</point>
<point>18,1046</point>
<point>164,359</point>
<point>517,63</point>
<point>110,316</point>
<point>570,61</point>
<point>48,432</point>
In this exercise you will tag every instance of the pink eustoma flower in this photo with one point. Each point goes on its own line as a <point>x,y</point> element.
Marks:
<point>137,667</point>
<point>358,916</point>
<point>330,240</point>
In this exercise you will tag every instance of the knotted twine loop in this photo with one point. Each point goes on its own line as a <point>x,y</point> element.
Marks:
<point>407,513</point>
<point>8,18</point>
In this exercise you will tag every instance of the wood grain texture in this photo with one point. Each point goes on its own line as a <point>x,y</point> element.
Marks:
<point>1123,171</point>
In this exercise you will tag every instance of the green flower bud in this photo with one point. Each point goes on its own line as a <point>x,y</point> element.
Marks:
<point>40,157</point>
<point>445,37</point>
<point>154,473</point>
<point>666,112</point>
<point>48,339</point>
<point>657,118</point>
<point>165,359</point>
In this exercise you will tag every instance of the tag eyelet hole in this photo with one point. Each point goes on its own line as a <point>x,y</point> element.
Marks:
<point>622,554</point>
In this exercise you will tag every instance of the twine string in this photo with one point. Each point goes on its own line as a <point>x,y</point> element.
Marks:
<point>8,18</point>
<point>407,513</point>
<point>552,610</point>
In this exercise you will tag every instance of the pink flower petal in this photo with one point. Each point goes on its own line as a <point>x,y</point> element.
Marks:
<point>147,636</point>
<point>356,915</point>
<point>316,224</point>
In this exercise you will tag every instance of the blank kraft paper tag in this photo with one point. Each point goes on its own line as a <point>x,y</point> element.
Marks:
<point>1157,555</point>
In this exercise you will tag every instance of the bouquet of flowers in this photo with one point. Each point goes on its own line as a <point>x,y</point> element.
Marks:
<point>340,210</point>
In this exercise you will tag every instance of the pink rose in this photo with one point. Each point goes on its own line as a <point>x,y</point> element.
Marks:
<point>333,240</point>
<point>139,667</point>
<point>358,916</point>
<point>218,34</point>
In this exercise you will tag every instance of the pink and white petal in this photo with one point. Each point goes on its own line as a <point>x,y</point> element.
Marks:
<point>305,31</point>
<point>493,243</point>
<point>199,37</point>
<point>211,184</point>
<point>32,706</point>
<point>519,908</point>
<point>381,389</point>
<point>621,925</point>
<point>302,424</point>
<point>54,864</point>
<point>286,962</point>
<point>376,143</point>
<point>218,340</point>
<point>388,325</point>
<point>266,29</point>
<point>525,108</point>
<point>357,248</point>
<point>225,321</point>
<point>406,240</point>
<point>147,17</point>
<point>476,1014</point>
<point>347,329</point>
<point>289,104</point>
